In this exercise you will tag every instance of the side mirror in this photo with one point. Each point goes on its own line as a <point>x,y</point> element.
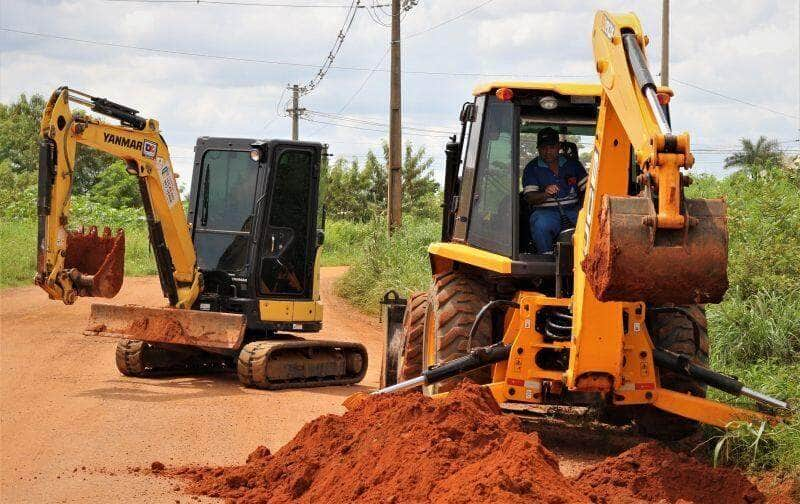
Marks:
<point>320,237</point>
<point>467,112</point>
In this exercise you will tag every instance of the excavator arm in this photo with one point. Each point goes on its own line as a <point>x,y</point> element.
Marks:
<point>73,263</point>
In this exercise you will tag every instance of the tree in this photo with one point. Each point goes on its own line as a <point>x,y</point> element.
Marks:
<point>755,157</point>
<point>358,194</point>
<point>19,143</point>
<point>117,188</point>
<point>19,133</point>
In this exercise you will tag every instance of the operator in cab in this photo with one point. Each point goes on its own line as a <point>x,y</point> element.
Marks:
<point>552,185</point>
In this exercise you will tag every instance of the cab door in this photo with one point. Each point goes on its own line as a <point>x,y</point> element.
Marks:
<point>288,235</point>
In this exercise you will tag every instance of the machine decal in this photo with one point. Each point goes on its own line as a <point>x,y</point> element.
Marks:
<point>168,183</point>
<point>645,386</point>
<point>608,28</point>
<point>590,202</point>
<point>122,141</point>
<point>149,149</point>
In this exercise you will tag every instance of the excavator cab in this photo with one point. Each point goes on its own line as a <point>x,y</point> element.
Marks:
<point>257,229</point>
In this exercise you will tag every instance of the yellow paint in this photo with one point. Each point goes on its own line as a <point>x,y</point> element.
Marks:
<point>562,88</point>
<point>154,166</point>
<point>271,310</point>
<point>470,255</point>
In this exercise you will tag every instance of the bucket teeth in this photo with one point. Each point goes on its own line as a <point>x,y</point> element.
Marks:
<point>635,262</point>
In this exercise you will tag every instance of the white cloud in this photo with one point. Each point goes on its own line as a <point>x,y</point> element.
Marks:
<point>744,49</point>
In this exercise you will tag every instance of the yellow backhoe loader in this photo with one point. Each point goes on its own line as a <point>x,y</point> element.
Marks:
<point>240,270</point>
<point>612,317</point>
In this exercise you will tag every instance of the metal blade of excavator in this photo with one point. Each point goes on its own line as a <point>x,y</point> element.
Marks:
<point>635,262</point>
<point>167,325</point>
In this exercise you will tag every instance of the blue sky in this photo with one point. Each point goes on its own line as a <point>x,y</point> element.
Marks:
<point>744,50</point>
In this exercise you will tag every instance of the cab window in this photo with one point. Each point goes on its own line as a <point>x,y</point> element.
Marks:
<point>491,223</point>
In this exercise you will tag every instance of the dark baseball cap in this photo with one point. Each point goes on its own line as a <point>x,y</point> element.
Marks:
<point>547,136</point>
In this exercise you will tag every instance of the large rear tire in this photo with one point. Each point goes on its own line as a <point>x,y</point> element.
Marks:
<point>675,331</point>
<point>455,299</point>
<point>409,363</point>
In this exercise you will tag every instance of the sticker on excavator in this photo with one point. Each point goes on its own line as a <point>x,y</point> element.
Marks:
<point>167,325</point>
<point>100,260</point>
<point>634,262</point>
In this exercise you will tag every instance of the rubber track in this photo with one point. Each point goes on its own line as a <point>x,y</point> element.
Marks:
<point>251,367</point>
<point>456,298</point>
<point>129,357</point>
<point>410,365</point>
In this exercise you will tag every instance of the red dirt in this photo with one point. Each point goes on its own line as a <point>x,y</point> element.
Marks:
<point>100,256</point>
<point>651,473</point>
<point>399,448</point>
<point>157,328</point>
<point>461,449</point>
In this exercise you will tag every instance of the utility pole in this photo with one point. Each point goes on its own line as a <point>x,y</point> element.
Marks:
<point>395,182</point>
<point>295,111</point>
<point>665,42</point>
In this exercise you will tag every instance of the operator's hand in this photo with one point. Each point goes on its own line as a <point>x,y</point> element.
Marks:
<point>551,190</point>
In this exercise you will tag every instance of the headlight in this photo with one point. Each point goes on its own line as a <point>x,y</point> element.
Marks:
<point>548,102</point>
<point>255,155</point>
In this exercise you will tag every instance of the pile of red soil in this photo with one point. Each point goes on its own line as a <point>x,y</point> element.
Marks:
<point>652,473</point>
<point>399,448</point>
<point>407,448</point>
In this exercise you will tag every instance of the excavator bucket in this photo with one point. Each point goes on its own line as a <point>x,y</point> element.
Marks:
<point>636,262</point>
<point>98,260</point>
<point>167,325</point>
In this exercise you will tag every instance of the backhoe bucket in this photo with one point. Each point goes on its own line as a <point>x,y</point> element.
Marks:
<point>98,262</point>
<point>167,325</point>
<point>635,262</point>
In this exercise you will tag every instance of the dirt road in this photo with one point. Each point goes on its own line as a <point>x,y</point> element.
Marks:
<point>71,426</point>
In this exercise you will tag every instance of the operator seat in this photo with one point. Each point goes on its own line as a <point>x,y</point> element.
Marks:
<point>569,150</point>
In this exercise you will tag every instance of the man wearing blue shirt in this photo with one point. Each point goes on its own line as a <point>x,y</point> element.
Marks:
<point>552,184</point>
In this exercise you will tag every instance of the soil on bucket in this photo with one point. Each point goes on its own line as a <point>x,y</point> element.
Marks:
<point>404,448</point>
<point>102,256</point>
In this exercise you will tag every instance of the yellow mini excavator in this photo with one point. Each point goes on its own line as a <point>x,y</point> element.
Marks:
<point>240,270</point>
<point>612,317</point>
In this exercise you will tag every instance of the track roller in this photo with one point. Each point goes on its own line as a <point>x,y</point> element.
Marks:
<point>275,365</point>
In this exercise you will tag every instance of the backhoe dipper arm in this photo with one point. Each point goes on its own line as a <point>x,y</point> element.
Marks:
<point>619,42</point>
<point>138,142</point>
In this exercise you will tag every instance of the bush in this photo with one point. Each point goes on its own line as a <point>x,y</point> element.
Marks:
<point>382,263</point>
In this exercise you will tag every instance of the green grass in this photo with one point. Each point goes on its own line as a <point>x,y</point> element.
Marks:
<point>18,252</point>
<point>381,263</point>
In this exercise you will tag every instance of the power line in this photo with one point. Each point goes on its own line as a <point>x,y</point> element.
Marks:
<point>357,91</point>
<point>280,62</point>
<point>337,45</point>
<point>369,129</point>
<point>733,98</point>
<point>240,4</point>
<point>459,16</point>
<point>338,117</point>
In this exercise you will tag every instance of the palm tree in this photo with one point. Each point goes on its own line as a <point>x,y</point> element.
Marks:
<point>755,157</point>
